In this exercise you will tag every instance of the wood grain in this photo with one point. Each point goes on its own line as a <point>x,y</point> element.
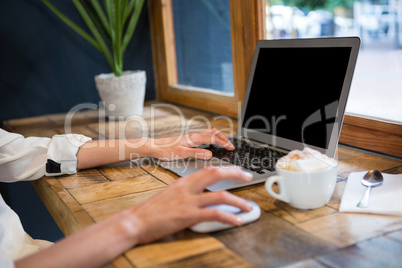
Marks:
<point>217,258</point>
<point>159,173</point>
<point>58,207</point>
<point>158,253</point>
<point>375,135</point>
<point>377,252</point>
<point>374,124</point>
<point>273,242</point>
<point>82,178</point>
<point>283,236</point>
<point>351,227</point>
<point>102,209</point>
<point>121,171</point>
<point>111,189</point>
<point>366,162</point>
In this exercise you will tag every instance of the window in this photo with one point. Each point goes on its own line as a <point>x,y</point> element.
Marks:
<point>203,51</point>
<point>373,108</point>
<point>217,83</point>
<point>203,45</point>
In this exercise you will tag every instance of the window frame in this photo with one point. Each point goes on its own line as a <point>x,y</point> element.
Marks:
<point>372,134</point>
<point>245,31</point>
<point>247,27</point>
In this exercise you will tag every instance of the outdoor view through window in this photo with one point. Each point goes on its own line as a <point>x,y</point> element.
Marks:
<point>202,38</point>
<point>203,44</point>
<point>377,83</point>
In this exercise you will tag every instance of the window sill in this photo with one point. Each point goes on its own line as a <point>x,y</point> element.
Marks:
<point>370,134</point>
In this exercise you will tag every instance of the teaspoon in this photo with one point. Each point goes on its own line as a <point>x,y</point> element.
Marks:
<point>371,179</point>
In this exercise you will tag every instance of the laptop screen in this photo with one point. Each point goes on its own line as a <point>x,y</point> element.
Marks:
<point>295,93</point>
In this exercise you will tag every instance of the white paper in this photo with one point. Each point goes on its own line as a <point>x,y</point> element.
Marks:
<point>385,199</point>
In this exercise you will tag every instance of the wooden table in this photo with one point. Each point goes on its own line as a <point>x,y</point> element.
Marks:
<point>283,236</point>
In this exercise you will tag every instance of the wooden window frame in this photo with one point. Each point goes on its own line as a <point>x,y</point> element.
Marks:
<point>372,134</point>
<point>245,32</point>
<point>246,29</point>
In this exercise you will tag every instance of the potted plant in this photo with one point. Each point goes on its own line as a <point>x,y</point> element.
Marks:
<point>112,25</point>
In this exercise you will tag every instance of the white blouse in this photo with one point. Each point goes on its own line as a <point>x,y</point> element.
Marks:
<point>30,159</point>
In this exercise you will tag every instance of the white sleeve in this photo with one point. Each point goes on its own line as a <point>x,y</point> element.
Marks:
<point>26,158</point>
<point>61,155</point>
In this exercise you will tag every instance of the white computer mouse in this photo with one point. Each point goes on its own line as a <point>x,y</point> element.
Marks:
<point>213,226</point>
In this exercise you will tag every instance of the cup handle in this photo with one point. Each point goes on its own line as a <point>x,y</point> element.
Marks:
<point>268,186</point>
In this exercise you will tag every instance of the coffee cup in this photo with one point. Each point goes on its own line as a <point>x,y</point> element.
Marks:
<point>306,187</point>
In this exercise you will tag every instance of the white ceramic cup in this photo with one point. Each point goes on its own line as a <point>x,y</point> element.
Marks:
<point>304,190</point>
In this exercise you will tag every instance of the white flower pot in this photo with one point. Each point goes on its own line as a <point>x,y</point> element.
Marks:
<point>123,95</point>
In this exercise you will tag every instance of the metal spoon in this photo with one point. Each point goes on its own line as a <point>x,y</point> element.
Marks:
<point>372,178</point>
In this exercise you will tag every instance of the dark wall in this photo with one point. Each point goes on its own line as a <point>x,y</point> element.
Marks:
<point>45,68</point>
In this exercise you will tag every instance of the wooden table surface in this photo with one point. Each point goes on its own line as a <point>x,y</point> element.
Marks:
<point>283,236</point>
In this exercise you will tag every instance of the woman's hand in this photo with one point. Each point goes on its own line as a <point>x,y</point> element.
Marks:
<point>97,153</point>
<point>182,204</point>
<point>174,148</point>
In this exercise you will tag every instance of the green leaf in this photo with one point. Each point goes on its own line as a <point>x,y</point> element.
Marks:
<point>114,22</point>
<point>102,17</point>
<point>72,25</point>
<point>113,12</point>
<point>123,10</point>
<point>110,18</point>
<point>97,21</point>
<point>132,24</point>
<point>129,9</point>
<point>94,31</point>
<point>118,28</point>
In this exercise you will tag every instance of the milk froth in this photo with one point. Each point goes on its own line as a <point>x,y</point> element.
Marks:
<point>308,160</point>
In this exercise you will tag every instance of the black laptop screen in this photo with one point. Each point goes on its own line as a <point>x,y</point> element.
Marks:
<point>295,93</point>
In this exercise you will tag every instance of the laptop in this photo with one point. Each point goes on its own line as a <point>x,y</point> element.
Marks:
<point>296,97</point>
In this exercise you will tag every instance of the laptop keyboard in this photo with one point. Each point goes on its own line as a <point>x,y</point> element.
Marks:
<point>247,155</point>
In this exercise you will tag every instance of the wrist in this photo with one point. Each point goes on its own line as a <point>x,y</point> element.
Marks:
<point>138,148</point>
<point>128,229</point>
<point>153,149</point>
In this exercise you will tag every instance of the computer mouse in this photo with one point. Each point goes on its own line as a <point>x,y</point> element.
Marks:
<point>213,226</point>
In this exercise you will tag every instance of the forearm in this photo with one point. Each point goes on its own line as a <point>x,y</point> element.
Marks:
<point>97,153</point>
<point>91,247</point>
<point>146,222</point>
